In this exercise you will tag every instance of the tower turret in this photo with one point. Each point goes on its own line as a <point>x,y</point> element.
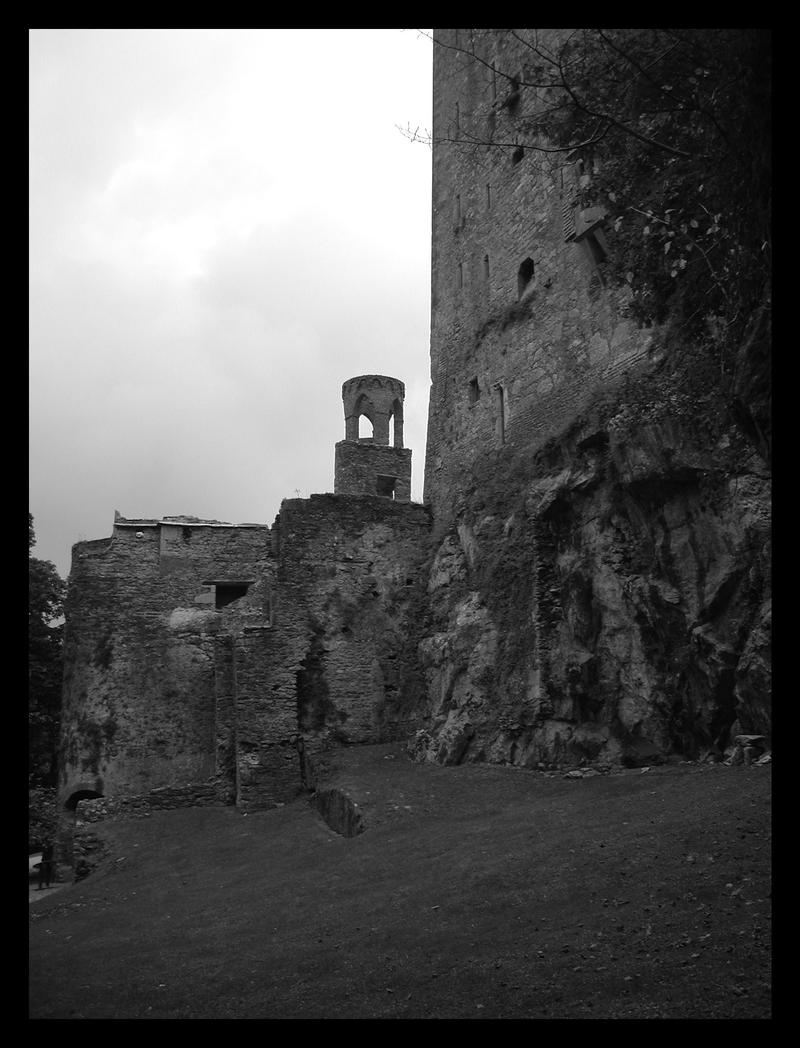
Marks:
<point>375,464</point>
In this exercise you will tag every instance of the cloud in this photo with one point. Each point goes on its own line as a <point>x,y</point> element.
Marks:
<point>225,225</point>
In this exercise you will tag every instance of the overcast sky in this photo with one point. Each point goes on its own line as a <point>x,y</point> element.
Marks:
<point>225,225</point>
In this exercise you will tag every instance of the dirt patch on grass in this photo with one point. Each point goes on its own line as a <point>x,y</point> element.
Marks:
<point>474,892</point>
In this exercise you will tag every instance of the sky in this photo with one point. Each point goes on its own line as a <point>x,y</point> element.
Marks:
<point>224,226</point>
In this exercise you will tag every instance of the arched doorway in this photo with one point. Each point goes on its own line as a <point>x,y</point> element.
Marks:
<point>65,832</point>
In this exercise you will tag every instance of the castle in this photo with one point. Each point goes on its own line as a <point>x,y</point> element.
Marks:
<point>583,583</point>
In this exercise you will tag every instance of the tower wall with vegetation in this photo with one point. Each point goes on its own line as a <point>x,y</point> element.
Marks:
<point>598,441</point>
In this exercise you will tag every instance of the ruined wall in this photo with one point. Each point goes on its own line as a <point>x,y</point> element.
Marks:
<point>373,469</point>
<point>143,705</point>
<point>349,610</point>
<point>523,330</point>
<point>201,655</point>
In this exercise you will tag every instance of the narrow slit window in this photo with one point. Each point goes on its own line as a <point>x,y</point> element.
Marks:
<point>488,197</point>
<point>474,392</point>
<point>501,413</point>
<point>525,276</point>
<point>486,267</point>
<point>458,207</point>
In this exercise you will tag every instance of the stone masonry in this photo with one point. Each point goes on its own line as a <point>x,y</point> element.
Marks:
<point>523,331</point>
<point>208,662</point>
<point>588,580</point>
<point>371,465</point>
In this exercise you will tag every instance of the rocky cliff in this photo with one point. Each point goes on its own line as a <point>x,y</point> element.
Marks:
<point>606,598</point>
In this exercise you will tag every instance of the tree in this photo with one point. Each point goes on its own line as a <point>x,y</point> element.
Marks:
<point>45,604</point>
<point>673,129</point>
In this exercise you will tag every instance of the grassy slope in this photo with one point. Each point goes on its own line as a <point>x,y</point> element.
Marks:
<point>476,892</point>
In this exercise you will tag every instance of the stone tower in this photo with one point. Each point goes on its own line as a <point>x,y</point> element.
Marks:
<point>376,464</point>
<point>524,329</point>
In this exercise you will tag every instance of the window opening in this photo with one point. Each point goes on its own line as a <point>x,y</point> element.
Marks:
<point>458,207</point>
<point>524,276</point>
<point>474,392</point>
<point>227,592</point>
<point>385,486</point>
<point>488,197</point>
<point>517,155</point>
<point>396,424</point>
<point>513,95</point>
<point>486,266</point>
<point>596,246</point>
<point>501,407</point>
<point>366,431</point>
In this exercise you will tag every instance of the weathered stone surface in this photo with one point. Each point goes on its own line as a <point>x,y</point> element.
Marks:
<point>600,584</point>
<point>522,330</point>
<point>605,600</point>
<point>340,812</point>
<point>588,584</point>
<point>139,704</point>
<point>350,609</point>
<point>378,464</point>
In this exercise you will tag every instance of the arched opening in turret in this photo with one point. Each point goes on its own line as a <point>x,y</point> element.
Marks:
<point>364,412</point>
<point>396,424</point>
<point>366,430</point>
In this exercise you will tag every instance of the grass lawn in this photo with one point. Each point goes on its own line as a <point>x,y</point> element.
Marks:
<point>476,892</point>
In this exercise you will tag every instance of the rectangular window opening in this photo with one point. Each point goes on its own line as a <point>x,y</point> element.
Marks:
<point>486,266</point>
<point>474,392</point>
<point>385,486</point>
<point>597,246</point>
<point>227,592</point>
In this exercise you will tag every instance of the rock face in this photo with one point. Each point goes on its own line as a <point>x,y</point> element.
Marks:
<point>599,588</point>
<point>607,598</point>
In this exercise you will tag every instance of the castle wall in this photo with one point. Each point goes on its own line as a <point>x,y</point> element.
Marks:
<point>599,587</point>
<point>350,592</point>
<point>144,706</point>
<point>361,468</point>
<point>523,330</point>
<point>203,653</point>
